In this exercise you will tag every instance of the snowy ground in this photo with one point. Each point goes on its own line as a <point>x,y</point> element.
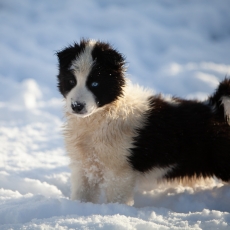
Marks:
<point>175,47</point>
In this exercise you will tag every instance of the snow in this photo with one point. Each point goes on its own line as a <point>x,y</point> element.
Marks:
<point>175,47</point>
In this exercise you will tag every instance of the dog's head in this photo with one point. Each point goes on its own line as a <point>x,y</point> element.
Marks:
<point>91,75</point>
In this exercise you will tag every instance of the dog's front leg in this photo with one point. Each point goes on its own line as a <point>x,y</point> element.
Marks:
<point>81,188</point>
<point>119,186</point>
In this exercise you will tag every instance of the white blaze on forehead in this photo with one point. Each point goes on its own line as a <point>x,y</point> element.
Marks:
<point>84,61</point>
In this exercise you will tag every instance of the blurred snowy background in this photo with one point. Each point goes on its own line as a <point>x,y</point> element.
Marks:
<point>175,47</point>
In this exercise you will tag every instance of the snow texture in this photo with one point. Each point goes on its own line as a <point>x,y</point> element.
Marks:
<point>176,47</point>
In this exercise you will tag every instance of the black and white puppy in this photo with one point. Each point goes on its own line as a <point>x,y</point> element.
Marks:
<point>116,132</point>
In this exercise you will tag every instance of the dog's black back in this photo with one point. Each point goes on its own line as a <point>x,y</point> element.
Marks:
<point>191,137</point>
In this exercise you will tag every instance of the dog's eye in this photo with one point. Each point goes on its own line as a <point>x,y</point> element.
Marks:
<point>94,84</point>
<point>72,82</point>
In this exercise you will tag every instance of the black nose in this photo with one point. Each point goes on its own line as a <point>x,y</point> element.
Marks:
<point>77,106</point>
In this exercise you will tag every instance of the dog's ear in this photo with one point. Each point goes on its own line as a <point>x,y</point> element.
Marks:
<point>65,57</point>
<point>107,56</point>
<point>114,58</point>
<point>68,54</point>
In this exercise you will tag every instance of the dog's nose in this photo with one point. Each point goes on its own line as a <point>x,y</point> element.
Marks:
<point>77,106</point>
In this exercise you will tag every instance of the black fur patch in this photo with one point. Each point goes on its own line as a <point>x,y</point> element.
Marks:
<point>188,136</point>
<point>108,72</point>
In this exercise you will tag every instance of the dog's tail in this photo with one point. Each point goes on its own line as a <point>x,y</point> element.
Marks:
<point>220,100</point>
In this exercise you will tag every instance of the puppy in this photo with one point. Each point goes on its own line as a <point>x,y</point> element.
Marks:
<point>116,133</point>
